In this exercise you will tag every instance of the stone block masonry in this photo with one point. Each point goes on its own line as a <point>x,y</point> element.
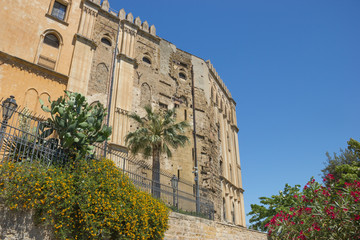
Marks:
<point>16,225</point>
<point>183,227</point>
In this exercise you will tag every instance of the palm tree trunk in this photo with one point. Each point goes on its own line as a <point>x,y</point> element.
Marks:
<point>155,190</point>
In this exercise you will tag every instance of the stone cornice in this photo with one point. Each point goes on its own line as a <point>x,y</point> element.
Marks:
<point>125,58</point>
<point>85,40</point>
<point>118,147</point>
<point>222,178</point>
<point>33,68</point>
<point>235,128</point>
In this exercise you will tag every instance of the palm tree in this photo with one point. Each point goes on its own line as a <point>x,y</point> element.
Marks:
<point>157,133</point>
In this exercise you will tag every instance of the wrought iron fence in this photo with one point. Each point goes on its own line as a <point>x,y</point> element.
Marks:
<point>21,140</point>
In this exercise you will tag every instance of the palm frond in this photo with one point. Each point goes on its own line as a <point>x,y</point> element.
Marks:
<point>156,129</point>
<point>137,118</point>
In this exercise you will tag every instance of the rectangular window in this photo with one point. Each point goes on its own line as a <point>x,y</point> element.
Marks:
<point>59,10</point>
<point>221,167</point>
<point>218,132</point>
<point>163,105</point>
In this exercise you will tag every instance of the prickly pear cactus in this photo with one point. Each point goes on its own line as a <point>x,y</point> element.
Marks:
<point>77,124</point>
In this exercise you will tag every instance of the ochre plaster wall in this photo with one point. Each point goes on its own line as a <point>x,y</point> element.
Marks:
<point>29,82</point>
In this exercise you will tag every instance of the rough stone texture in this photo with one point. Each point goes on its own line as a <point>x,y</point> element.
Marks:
<point>16,225</point>
<point>105,27</point>
<point>183,227</point>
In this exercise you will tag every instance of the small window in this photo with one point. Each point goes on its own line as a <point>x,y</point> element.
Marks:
<point>59,11</point>
<point>176,105</point>
<point>224,209</point>
<point>218,132</point>
<point>51,40</point>
<point>146,60</point>
<point>185,115</point>
<point>221,167</point>
<point>182,76</point>
<point>106,41</point>
<point>163,106</point>
<point>233,213</point>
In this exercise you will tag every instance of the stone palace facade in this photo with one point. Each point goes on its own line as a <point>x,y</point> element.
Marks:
<point>47,46</point>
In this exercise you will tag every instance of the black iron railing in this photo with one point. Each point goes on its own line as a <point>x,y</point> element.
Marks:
<point>20,140</point>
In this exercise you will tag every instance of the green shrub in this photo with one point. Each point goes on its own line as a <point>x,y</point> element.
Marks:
<point>77,124</point>
<point>93,200</point>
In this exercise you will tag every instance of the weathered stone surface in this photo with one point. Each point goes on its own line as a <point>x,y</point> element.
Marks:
<point>16,225</point>
<point>153,30</point>
<point>189,227</point>
<point>137,21</point>
<point>130,17</point>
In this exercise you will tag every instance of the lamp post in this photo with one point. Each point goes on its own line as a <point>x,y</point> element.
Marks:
<point>174,184</point>
<point>8,108</point>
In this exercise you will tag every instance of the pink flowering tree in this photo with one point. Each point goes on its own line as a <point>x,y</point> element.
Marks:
<point>331,211</point>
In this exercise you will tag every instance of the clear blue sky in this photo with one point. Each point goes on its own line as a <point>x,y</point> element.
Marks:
<point>292,66</point>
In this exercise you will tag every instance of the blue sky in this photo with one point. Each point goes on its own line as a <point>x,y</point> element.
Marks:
<point>292,66</point>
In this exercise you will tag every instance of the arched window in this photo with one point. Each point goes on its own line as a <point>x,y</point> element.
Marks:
<point>51,40</point>
<point>146,60</point>
<point>49,49</point>
<point>106,41</point>
<point>145,96</point>
<point>182,76</point>
<point>99,81</point>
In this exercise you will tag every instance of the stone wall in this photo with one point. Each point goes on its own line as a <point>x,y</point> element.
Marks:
<point>15,225</point>
<point>183,227</point>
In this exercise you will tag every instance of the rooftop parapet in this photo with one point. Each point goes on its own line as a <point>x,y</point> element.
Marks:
<point>127,17</point>
<point>142,25</point>
<point>218,79</point>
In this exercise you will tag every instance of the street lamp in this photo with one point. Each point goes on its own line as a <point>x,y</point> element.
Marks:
<point>8,108</point>
<point>174,184</point>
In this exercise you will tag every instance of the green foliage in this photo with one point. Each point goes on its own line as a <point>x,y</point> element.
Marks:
<point>343,168</point>
<point>346,165</point>
<point>262,214</point>
<point>157,131</point>
<point>92,200</point>
<point>320,212</point>
<point>77,124</point>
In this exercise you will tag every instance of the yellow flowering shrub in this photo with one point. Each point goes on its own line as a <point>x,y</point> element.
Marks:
<point>92,200</point>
